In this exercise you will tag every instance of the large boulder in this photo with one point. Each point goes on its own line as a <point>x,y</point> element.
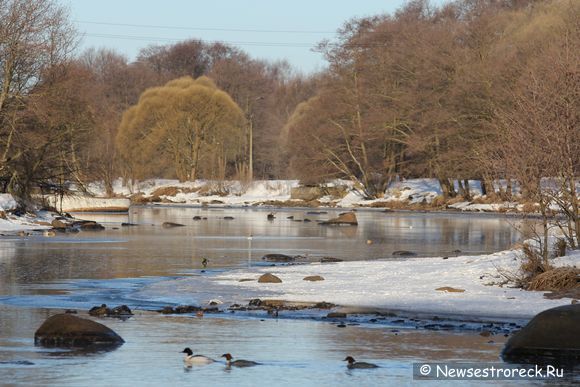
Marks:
<point>67,330</point>
<point>553,333</point>
<point>347,218</point>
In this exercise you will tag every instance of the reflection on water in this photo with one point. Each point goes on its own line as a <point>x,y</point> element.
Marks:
<point>151,250</point>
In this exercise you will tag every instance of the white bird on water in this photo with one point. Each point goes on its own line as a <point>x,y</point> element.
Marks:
<point>191,359</point>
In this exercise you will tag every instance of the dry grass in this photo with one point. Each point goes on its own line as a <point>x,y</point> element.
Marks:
<point>484,200</point>
<point>561,278</point>
<point>439,202</point>
<point>530,207</point>
<point>166,191</point>
<point>172,191</point>
<point>534,264</point>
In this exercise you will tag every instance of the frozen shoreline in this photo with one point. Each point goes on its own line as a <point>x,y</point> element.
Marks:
<point>407,286</point>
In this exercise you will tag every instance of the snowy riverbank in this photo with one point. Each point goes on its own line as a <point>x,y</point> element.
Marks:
<point>338,193</point>
<point>408,285</point>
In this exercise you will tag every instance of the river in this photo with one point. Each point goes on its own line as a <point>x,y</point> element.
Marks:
<point>40,276</point>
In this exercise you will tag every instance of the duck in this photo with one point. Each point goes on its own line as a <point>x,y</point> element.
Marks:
<point>191,359</point>
<point>358,364</point>
<point>238,363</point>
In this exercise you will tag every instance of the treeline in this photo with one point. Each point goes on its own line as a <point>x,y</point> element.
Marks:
<point>470,90</point>
<point>473,89</point>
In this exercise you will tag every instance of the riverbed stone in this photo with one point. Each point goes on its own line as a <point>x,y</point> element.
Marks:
<point>67,330</point>
<point>269,278</point>
<point>553,333</point>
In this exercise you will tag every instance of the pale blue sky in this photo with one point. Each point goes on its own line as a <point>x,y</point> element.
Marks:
<point>282,29</point>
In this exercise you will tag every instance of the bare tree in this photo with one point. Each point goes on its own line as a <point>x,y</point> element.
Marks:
<point>34,37</point>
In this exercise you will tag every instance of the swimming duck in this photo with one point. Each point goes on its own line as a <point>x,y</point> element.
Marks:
<point>238,363</point>
<point>191,359</point>
<point>358,364</point>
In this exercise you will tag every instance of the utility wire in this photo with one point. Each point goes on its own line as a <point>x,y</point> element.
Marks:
<point>205,29</point>
<point>151,38</point>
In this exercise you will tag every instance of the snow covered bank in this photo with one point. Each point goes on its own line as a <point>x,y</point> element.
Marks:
<point>406,285</point>
<point>11,223</point>
<point>74,203</point>
<point>411,192</point>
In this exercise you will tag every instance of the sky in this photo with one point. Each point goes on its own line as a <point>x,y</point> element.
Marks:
<point>271,30</point>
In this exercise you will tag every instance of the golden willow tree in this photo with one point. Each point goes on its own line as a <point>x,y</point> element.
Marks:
<point>186,129</point>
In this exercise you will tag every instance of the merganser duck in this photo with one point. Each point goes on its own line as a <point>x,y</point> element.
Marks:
<point>358,364</point>
<point>238,363</point>
<point>191,359</point>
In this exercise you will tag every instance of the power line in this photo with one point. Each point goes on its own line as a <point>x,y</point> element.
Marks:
<point>241,43</point>
<point>205,29</point>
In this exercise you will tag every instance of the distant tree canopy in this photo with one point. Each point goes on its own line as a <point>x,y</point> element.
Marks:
<point>187,128</point>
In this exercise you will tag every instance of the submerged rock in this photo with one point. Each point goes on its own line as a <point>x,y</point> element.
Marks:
<point>269,278</point>
<point>551,334</point>
<point>347,218</point>
<point>67,330</point>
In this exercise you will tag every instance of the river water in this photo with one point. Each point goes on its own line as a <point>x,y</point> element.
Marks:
<point>40,276</point>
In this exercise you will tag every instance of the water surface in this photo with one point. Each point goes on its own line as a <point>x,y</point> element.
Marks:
<point>85,269</point>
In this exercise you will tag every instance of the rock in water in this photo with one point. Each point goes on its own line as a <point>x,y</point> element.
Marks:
<point>269,278</point>
<point>330,259</point>
<point>66,330</point>
<point>91,226</point>
<point>171,224</point>
<point>278,258</point>
<point>348,218</point>
<point>59,224</point>
<point>404,253</point>
<point>551,334</point>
